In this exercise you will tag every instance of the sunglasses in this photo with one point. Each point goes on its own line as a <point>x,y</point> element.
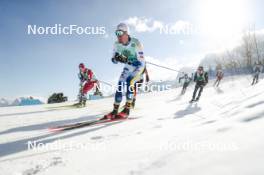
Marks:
<point>119,33</point>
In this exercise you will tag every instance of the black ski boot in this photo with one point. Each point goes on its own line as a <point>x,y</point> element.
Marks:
<point>192,100</point>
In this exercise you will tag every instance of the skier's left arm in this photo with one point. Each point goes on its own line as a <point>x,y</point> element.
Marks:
<point>206,78</point>
<point>140,62</point>
<point>92,77</point>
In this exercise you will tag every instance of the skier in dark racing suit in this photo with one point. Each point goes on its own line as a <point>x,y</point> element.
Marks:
<point>201,79</point>
<point>186,82</point>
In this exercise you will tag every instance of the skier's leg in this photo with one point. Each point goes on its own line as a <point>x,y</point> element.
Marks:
<point>253,80</point>
<point>97,89</point>
<point>131,81</point>
<point>182,91</point>
<point>215,82</point>
<point>118,94</point>
<point>200,92</point>
<point>134,101</point>
<point>218,82</point>
<point>184,88</point>
<point>80,95</point>
<point>194,92</point>
<point>86,88</point>
<point>121,86</point>
<point>257,78</point>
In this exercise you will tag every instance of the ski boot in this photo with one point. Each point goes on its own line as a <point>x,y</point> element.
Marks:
<point>82,101</point>
<point>112,114</point>
<point>98,93</point>
<point>125,112</point>
<point>192,100</point>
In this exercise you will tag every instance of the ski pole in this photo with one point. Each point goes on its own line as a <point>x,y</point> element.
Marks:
<point>105,83</point>
<point>164,67</point>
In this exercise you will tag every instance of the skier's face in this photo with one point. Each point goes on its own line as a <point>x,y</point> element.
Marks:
<point>200,71</point>
<point>122,36</point>
<point>82,69</point>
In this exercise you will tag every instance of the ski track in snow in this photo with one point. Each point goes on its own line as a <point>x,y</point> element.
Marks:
<point>229,117</point>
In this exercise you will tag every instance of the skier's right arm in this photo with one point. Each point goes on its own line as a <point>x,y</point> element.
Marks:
<point>114,54</point>
<point>80,76</point>
<point>180,79</point>
<point>117,57</point>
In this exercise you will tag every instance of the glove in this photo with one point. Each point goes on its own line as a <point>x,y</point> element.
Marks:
<point>120,58</point>
<point>80,77</point>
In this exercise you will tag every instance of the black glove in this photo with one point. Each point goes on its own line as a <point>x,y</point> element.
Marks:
<point>120,58</point>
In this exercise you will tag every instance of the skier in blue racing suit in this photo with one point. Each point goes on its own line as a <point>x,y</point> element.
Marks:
<point>129,51</point>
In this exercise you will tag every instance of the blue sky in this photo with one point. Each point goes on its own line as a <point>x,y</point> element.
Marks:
<point>41,64</point>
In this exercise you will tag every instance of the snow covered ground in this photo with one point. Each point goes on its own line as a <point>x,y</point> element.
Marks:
<point>222,134</point>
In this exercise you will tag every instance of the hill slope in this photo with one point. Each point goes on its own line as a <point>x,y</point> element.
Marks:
<point>222,134</point>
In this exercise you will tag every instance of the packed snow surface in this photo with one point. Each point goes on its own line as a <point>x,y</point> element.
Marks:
<point>221,134</point>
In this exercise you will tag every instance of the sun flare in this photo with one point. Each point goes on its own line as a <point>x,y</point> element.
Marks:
<point>223,17</point>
